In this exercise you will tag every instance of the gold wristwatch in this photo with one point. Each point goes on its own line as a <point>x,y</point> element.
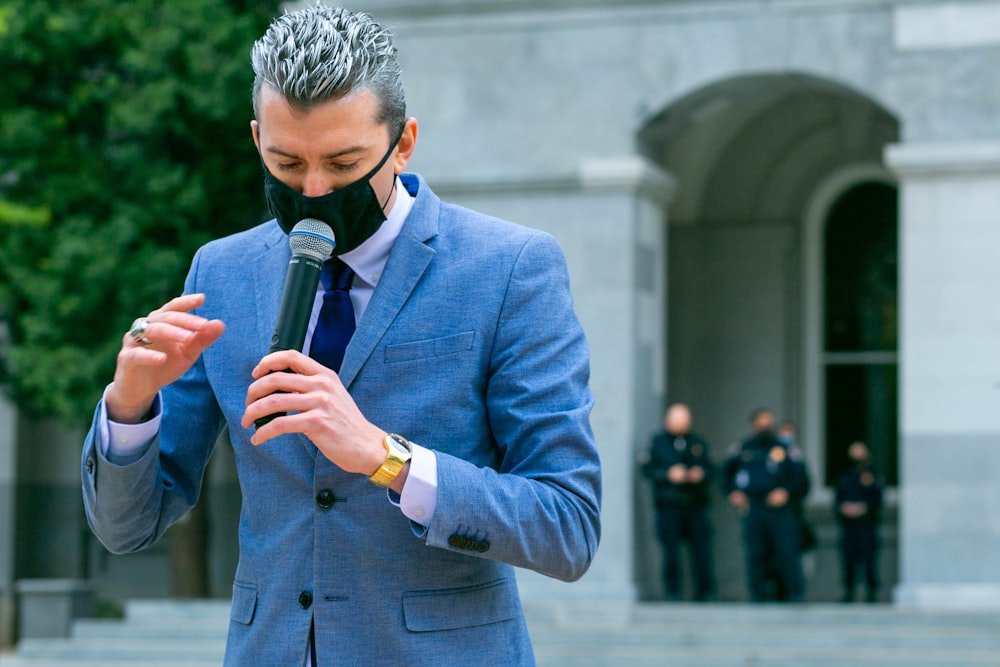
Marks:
<point>398,452</point>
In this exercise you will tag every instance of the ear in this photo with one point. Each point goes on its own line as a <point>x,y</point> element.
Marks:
<point>404,149</point>
<point>256,136</point>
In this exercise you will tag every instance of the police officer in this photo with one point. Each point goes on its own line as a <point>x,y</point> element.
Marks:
<point>678,466</point>
<point>858,501</point>
<point>765,481</point>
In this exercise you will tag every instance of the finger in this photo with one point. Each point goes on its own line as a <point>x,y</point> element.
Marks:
<point>289,384</point>
<point>135,353</point>
<point>291,360</point>
<point>283,405</point>
<point>183,303</point>
<point>189,330</point>
<point>206,334</point>
<point>278,426</point>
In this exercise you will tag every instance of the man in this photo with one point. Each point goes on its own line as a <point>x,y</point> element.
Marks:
<point>463,389</point>
<point>678,465</point>
<point>764,481</point>
<point>858,502</point>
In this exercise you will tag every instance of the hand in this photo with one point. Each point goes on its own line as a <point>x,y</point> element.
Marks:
<point>326,413</point>
<point>677,473</point>
<point>739,500</point>
<point>853,510</point>
<point>696,475</point>
<point>777,498</point>
<point>177,338</point>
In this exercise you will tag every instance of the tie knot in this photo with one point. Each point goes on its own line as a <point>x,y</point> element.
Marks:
<point>336,275</point>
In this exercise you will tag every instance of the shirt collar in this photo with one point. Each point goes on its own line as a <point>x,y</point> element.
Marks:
<point>368,259</point>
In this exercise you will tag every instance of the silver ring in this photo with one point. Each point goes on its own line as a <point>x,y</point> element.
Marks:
<point>138,331</point>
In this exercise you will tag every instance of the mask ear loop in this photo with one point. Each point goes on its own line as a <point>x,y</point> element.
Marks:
<point>393,188</point>
<point>389,196</point>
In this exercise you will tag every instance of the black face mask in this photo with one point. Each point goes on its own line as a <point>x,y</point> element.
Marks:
<point>353,212</point>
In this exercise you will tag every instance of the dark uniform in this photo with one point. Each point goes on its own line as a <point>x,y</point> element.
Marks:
<point>681,510</point>
<point>859,535</point>
<point>758,465</point>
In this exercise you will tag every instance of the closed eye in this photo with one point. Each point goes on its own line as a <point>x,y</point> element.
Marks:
<point>346,167</point>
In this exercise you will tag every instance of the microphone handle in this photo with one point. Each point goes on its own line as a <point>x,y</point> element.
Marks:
<point>297,299</point>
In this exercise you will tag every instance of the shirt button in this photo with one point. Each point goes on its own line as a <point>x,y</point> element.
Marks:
<point>419,513</point>
<point>305,599</point>
<point>325,499</point>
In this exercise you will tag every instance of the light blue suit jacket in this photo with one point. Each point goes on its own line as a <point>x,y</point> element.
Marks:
<point>470,347</point>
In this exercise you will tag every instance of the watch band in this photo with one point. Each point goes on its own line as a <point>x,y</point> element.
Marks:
<point>398,452</point>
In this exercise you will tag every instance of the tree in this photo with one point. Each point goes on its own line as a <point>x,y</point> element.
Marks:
<point>124,145</point>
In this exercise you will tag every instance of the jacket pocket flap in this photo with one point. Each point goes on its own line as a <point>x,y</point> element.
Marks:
<point>244,603</point>
<point>432,347</point>
<point>453,608</point>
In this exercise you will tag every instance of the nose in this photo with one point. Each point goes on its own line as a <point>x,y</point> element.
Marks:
<point>316,184</point>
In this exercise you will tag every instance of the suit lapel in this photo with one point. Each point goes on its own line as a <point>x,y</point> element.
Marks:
<point>269,281</point>
<point>409,259</point>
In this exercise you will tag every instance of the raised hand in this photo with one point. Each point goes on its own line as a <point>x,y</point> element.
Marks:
<point>170,344</point>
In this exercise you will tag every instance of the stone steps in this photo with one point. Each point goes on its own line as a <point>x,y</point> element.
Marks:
<point>588,634</point>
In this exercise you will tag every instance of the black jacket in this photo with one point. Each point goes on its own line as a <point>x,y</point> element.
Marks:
<point>667,450</point>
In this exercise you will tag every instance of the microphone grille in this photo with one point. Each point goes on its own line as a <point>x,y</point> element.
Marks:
<point>312,237</point>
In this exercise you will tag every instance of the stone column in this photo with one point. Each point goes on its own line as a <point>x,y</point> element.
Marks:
<point>610,219</point>
<point>949,373</point>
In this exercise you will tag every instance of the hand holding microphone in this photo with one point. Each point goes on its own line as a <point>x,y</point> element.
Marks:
<point>312,242</point>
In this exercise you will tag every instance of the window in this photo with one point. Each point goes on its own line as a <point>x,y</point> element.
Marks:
<point>860,328</point>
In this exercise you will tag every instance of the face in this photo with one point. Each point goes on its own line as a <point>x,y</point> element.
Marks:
<point>858,452</point>
<point>330,145</point>
<point>677,420</point>
<point>764,421</point>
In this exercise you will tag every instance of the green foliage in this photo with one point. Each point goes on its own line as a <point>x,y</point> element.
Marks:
<point>124,145</point>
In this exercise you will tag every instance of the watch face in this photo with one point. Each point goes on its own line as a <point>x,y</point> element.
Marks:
<point>400,444</point>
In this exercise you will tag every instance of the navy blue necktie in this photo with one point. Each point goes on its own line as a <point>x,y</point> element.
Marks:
<point>336,318</point>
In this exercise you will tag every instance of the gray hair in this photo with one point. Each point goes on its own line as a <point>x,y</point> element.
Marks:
<point>324,53</point>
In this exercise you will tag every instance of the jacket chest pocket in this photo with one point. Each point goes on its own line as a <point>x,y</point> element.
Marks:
<point>429,348</point>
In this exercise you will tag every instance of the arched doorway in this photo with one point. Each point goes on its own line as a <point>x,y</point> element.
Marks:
<point>750,155</point>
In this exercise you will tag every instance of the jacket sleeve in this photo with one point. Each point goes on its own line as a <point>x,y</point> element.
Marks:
<point>129,507</point>
<point>730,467</point>
<point>539,506</point>
<point>704,461</point>
<point>797,478</point>
<point>654,467</point>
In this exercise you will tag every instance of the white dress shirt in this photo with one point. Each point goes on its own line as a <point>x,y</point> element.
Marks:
<point>125,443</point>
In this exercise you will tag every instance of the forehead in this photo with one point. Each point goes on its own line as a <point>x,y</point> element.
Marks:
<point>352,119</point>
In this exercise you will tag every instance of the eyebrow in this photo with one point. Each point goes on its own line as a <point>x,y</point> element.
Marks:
<point>328,156</point>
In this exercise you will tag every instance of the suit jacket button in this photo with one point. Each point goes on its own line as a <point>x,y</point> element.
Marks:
<point>90,465</point>
<point>456,541</point>
<point>305,599</point>
<point>483,546</point>
<point>325,499</point>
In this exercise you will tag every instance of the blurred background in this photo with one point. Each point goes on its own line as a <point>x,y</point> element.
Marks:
<point>781,203</point>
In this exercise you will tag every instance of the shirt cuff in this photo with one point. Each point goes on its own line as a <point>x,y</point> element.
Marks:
<point>419,498</point>
<point>127,442</point>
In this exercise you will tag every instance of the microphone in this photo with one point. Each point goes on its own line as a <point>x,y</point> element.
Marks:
<point>312,242</point>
